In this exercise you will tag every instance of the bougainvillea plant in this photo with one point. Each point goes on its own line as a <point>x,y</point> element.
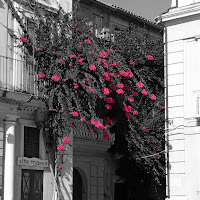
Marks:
<point>103,84</point>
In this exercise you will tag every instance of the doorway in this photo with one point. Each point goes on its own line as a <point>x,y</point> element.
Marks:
<point>32,185</point>
<point>77,185</point>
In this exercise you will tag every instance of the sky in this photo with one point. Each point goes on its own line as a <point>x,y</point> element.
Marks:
<point>148,9</point>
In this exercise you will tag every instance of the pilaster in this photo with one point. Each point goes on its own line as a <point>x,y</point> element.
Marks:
<point>9,130</point>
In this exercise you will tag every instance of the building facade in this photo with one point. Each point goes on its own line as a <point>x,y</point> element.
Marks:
<point>27,167</point>
<point>182,69</point>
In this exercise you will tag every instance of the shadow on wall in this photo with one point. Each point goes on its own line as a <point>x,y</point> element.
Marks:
<point>66,180</point>
<point>2,5</point>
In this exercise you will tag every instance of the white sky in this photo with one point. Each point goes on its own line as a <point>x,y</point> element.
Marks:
<point>148,9</point>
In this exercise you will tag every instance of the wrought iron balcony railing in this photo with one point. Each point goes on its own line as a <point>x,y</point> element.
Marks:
<point>17,75</point>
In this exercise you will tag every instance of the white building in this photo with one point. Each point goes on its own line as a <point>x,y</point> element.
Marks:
<point>182,80</point>
<point>26,163</point>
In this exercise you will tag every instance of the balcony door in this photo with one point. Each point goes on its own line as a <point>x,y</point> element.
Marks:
<point>32,185</point>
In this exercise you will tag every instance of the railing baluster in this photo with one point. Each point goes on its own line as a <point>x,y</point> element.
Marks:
<point>16,75</point>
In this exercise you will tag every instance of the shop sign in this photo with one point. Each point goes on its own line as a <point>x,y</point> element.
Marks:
<point>32,162</point>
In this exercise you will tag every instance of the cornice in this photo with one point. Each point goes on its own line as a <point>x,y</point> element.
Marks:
<point>181,12</point>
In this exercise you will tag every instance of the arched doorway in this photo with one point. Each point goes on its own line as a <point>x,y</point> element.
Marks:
<point>77,185</point>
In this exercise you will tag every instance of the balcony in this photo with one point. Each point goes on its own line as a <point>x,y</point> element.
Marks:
<point>17,76</point>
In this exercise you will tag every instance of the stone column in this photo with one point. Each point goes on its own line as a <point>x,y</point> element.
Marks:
<point>9,128</point>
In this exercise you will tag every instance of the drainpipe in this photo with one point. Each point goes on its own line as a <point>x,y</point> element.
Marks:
<point>166,112</point>
<point>159,21</point>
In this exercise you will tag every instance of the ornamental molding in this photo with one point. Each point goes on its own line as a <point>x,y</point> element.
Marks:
<point>97,138</point>
<point>10,101</point>
<point>180,12</point>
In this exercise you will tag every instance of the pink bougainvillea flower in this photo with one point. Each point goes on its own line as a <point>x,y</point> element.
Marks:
<point>103,54</point>
<point>105,65</point>
<point>92,67</point>
<point>83,119</point>
<point>72,56</point>
<point>119,85</point>
<point>62,60</point>
<point>110,100</point>
<point>65,140</point>
<point>74,27</point>
<point>127,109</point>
<point>135,112</point>
<point>107,76</point>
<point>60,147</point>
<point>24,40</point>
<point>106,91</point>
<point>99,97</point>
<point>80,60</point>
<point>99,61</point>
<point>41,75</point>
<point>91,52</point>
<point>153,97</point>
<point>144,92</point>
<point>75,114</point>
<point>55,78</point>
<point>108,106</point>
<point>91,132</point>
<point>110,49</point>
<point>130,73</point>
<point>88,41</point>
<point>127,87</point>
<point>135,93</point>
<point>38,49</point>
<point>71,126</point>
<point>105,136</point>
<point>89,88</point>
<point>131,62</point>
<point>123,73</point>
<point>162,107</point>
<point>114,64</point>
<point>58,53</point>
<point>120,91</point>
<point>86,79</point>
<point>76,86</point>
<point>143,128</point>
<point>112,86</point>
<point>92,121</point>
<point>149,57</point>
<point>139,137</point>
<point>130,99</point>
<point>128,114</point>
<point>61,166</point>
<point>98,124</point>
<point>130,81</point>
<point>140,84</point>
<point>107,121</point>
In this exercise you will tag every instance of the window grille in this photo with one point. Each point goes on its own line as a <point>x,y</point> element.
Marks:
<point>31,142</point>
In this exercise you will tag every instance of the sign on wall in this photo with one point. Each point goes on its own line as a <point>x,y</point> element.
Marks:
<point>32,162</point>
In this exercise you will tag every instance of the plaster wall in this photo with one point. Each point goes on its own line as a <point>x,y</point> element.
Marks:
<point>94,171</point>
<point>182,75</point>
<point>48,181</point>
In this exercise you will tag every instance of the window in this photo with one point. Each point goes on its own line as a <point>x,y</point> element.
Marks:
<point>98,22</point>
<point>31,142</point>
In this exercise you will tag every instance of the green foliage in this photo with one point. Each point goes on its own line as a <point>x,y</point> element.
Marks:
<point>56,40</point>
